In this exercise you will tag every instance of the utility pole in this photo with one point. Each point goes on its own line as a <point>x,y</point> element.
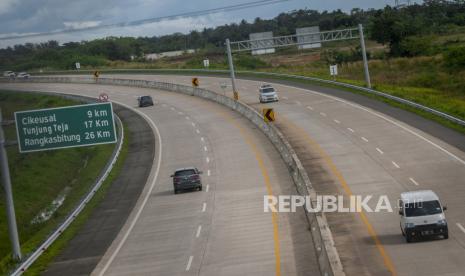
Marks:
<point>364,54</point>
<point>10,209</point>
<point>231,69</point>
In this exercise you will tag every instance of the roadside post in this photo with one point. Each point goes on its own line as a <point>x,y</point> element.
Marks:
<point>333,71</point>
<point>10,209</point>
<point>364,54</point>
<point>231,70</point>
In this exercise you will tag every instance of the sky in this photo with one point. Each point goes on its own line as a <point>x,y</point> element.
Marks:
<point>33,16</point>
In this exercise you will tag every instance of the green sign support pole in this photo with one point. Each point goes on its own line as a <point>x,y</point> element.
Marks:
<point>10,209</point>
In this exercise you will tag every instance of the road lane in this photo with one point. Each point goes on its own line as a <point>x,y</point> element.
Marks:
<point>393,154</point>
<point>236,236</point>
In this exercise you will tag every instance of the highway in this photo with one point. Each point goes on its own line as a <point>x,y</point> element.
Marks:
<point>350,149</point>
<point>221,230</point>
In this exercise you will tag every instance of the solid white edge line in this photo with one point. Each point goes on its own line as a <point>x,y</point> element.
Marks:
<point>147,195</point>
<point>461,227</point>
<point>189,263</point>
<point>198,231</point>
<point>395,164</point>
<point>413,181</point>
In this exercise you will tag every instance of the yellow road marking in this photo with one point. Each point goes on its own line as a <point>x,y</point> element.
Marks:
<point>387,260</point>
<point>266,177</point>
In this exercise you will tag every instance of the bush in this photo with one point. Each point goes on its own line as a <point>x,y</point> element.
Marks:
<point>250,62</point>
<point>417,46</point>
<point>454,58</point>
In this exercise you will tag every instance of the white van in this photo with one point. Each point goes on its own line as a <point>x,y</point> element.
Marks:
<point>267,93</point>
<point>422,215</point>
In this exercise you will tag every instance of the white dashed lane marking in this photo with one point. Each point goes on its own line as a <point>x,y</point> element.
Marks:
<point>413,181</point>
<point>309,107</point>
<point>204,207</point>
<point>323,114</point>
<point>364,139</point>
<point>380,151</point>
<point>189,263</point>
<point>461,227</point>
<point>198,231</point>
<point>337,121</point>
<point>208,172</point>
<point>351,130</point>
<point>395,164</point>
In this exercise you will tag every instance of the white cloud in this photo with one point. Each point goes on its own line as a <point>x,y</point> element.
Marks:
<point>81,24</point>
<point>6,5</point>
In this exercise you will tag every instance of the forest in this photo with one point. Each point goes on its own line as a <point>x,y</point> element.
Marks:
<point>407,31</point>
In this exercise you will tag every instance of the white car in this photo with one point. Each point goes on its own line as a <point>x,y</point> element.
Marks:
<point>422,215</point>
<point>23,75</point>
<point>267,94</point>
<point>10,74</point>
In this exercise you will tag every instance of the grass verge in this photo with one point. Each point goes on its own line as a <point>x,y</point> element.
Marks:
<point>45,259</point>
<point>38,178</point>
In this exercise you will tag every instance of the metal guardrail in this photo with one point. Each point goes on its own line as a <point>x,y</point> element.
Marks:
<point>32,257</point>
<point>279,75</point>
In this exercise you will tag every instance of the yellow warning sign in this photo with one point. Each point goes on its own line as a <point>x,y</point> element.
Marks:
<point>236,95</point>
<point>195,82</point>
<point>268,115</point>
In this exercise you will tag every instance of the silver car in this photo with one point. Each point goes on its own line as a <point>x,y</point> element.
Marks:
<point>267,93</point>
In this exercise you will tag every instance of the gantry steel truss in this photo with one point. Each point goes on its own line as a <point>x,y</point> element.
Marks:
<point>290,40</point>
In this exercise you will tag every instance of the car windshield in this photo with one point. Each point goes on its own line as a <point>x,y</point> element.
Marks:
<point>145,98</point>
<point>423,208</point>
<point>267,90</point>
<point>184,173</point>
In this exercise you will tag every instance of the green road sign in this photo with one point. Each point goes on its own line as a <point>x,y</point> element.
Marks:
<point>65,127</point>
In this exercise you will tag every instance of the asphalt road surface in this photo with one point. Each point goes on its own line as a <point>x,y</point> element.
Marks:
<point>350,149</point>
<point>221,230</point>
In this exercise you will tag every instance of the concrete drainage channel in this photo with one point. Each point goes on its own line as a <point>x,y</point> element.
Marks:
<point>328,258</point>
<point>31,258</point>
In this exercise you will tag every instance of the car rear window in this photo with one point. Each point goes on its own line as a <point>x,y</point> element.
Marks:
<point>267,90</point>
<point>184,173</point>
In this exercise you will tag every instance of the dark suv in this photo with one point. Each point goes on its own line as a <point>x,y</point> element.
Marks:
<point>186,179</point>
<point>145,101</point>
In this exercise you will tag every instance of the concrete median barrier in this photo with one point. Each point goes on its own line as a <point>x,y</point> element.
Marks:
<point>325,249</point>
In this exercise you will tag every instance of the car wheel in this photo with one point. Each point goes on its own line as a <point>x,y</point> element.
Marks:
<point>408,238</point>
<point>200,188</point>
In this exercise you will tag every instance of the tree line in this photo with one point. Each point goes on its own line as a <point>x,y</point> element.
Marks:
<point>401,28</point>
